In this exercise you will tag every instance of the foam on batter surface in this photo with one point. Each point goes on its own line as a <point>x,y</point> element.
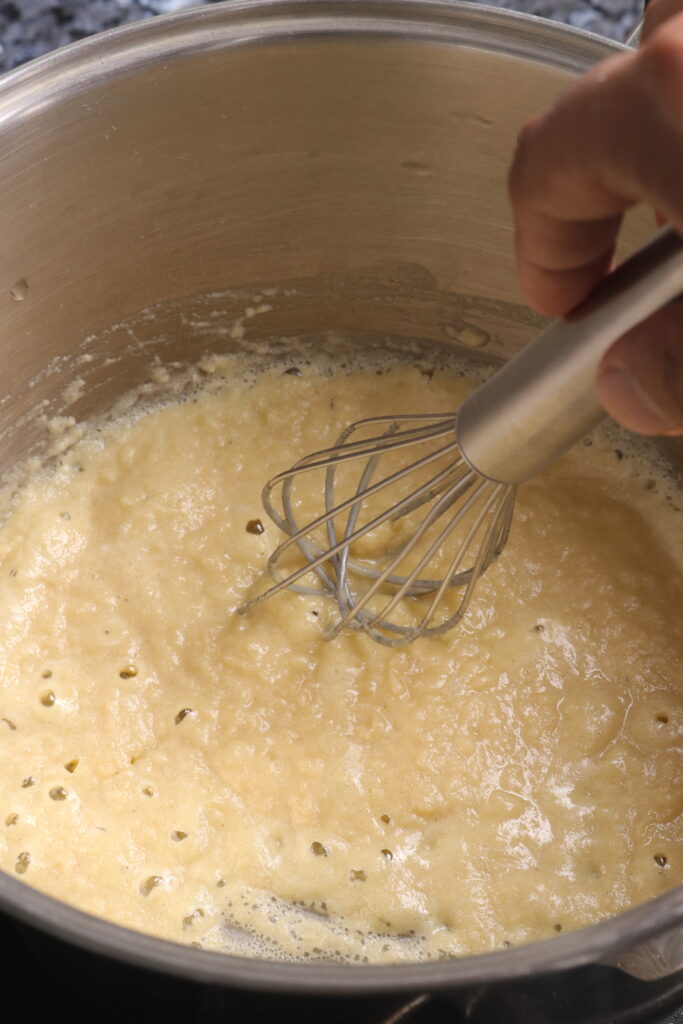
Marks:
<point>240,783</point>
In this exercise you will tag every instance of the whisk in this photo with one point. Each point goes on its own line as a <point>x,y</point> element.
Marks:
<point>399,577</point>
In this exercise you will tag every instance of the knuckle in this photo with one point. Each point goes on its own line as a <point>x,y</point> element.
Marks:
<point>517,178</point>
<point>515,186</point>
<point>657,12</point>
<point>659,69</point>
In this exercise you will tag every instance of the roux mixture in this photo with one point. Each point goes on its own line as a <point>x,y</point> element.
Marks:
<point>240,783</point>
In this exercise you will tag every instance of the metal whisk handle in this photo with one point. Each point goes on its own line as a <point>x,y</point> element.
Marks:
<point>543,400</point>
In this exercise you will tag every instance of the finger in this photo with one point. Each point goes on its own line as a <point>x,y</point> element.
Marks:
<point>656,13</point>
<point>640,380</point>
<point>612,141</point>
<point>569,266</point>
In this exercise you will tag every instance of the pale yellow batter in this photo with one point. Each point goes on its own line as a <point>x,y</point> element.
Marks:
<point>238,782</point>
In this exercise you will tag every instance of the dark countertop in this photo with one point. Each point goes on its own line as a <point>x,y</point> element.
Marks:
<point>29,28</point>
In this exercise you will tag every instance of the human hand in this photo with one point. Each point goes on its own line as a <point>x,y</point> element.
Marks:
<point>614,140</point>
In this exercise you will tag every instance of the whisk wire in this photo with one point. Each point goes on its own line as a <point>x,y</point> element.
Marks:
<point>406,583</point>
<point>288,478</point>
<point>486,554</point>
<point>313,562</point>
<point>453,486</point>
<point>437,543</point>
<point>336,456</point>
<point>317,556</point>
<point>342,559</point>
<point>297,535</point>
<point>378,626</point>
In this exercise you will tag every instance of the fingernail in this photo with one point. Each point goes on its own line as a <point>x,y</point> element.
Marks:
<point>628,401</point>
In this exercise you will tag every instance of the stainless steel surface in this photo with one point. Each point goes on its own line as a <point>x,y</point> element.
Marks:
<point>31,28</point>
<point>433,479</point>
<point>350,157</point>
<point>543,401</point>
<point>633,37</point>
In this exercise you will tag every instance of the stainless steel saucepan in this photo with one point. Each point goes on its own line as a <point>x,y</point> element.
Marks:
<point>344,158</point>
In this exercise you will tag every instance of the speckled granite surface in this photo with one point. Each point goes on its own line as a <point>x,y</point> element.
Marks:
<point>29,28</point>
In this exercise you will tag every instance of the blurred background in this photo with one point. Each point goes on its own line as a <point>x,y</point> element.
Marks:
<point>29,28</point>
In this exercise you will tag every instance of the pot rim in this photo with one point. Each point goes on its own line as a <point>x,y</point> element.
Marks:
<point>59,75</point>
<point>50,78</point>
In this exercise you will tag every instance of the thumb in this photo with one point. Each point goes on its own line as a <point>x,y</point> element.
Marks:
<point>640,379</point>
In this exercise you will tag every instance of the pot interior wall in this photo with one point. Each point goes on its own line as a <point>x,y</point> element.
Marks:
<point>360,181</point>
